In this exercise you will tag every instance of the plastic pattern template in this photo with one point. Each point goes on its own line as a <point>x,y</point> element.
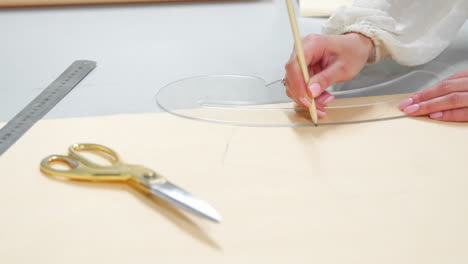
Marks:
<point>248,101</point>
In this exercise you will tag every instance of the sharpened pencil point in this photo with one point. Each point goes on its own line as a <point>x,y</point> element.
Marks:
<point>313,112</point>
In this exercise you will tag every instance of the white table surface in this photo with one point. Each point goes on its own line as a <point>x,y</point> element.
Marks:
<point>142,47</point>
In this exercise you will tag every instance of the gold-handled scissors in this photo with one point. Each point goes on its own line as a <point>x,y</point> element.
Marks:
<point>144,179</point>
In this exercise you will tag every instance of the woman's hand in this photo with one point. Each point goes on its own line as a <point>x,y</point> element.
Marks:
<point>445,101</point>
<point>330,59</point>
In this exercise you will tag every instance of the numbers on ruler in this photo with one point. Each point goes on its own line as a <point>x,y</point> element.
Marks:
<point>21,124</point>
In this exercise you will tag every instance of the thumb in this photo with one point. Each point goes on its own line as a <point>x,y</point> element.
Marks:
<point>322,80</point>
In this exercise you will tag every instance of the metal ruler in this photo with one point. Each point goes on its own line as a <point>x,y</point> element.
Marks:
<point>43,103</point>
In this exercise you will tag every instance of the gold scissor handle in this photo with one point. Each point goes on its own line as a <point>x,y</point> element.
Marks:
<point>75,171</point>
<point>109,154</point>
<point>81,168</point>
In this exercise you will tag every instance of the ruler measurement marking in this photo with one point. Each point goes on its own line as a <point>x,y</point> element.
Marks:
<point>43,103</point>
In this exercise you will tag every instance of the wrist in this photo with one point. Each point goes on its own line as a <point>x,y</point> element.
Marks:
<point>363,42</point>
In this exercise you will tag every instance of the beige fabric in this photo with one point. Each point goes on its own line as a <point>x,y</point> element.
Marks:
<point>381,192</point>
<point>317,8</point>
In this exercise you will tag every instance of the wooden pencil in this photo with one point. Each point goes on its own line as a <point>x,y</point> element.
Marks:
<point>300,56</point>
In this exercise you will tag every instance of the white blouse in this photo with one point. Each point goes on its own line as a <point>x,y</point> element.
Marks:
<point>411,32</point>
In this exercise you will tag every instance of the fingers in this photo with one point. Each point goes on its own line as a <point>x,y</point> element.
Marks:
<point>320,103</point>
<point>295,79</point>
<point>324,70</point>
<point>324,98</point>
<point>445,101</point>
<point>321,114</point>
<point>313,53</point>
<point>321,79</point>
<point>293,94</point>
<point>288,93</point>
<point>314,48</point>
<point>460,74</point>
<point>455,115</point>
<point>439,104</point>
<point>328,76</point>
<point>445,87</point>
<point>314,69</point>
<point>337,59</point>
<point>329,59</point>
<point>304,101</point>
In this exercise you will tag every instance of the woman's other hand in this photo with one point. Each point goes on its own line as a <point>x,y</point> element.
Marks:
<point>445,101</point>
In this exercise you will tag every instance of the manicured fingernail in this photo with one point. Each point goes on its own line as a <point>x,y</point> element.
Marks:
<point>329,99</point>
<point>406,103</point>
<point>321,114</point>
<point>411,109</point>
<point>436,115</point>
<point>305,101</point>
<point>315,89</point>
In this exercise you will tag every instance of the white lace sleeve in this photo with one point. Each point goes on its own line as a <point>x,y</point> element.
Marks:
<point>410,32</point>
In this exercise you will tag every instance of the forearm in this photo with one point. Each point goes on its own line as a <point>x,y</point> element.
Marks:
<point>409,32</point>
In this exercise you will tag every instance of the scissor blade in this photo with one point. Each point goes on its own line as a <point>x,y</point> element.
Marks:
<point>185,200</point>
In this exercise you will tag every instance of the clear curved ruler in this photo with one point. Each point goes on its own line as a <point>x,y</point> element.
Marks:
<point>249,101</point>
<point>43,103</point>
